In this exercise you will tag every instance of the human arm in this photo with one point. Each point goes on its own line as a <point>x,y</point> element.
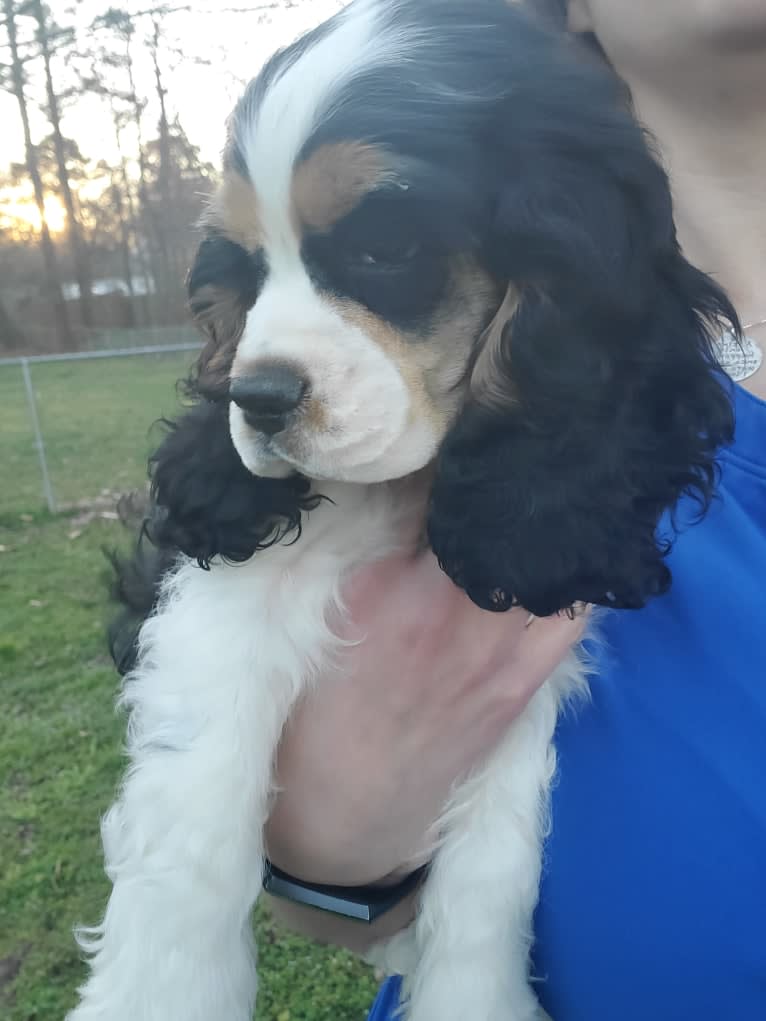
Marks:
<point>370,756</point>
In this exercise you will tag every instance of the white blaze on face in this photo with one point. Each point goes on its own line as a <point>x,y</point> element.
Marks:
<point>288,113</point>
<point>363,427</point>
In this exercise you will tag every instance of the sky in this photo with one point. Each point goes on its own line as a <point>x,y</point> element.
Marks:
<point>234,45</point>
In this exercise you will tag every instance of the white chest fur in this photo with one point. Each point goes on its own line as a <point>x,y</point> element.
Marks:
<point>221,663</point>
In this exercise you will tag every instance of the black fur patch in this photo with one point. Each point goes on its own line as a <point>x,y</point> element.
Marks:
<point>204,504</point>
<point>608,405</point>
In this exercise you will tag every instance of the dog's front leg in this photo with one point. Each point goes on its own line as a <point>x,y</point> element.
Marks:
<point>474,927</point>
<point>183,843</point>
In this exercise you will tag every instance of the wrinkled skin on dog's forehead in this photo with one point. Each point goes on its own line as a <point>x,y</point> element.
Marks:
<point>451,228</point>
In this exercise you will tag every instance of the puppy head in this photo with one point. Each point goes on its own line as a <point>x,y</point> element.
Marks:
<point>343,355</point>
<point>439,233</point>
<point>342,293</point>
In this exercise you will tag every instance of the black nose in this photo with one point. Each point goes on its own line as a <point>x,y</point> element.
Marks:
<point>268,397</point>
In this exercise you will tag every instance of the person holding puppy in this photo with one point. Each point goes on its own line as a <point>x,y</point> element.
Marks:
<point>653,890</point>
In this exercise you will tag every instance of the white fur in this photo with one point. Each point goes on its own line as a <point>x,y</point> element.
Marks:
<point>229,650</point>
<point>366,403</point>
<point>222,662</point>
<point>300,97</point>
<point>467,954</point>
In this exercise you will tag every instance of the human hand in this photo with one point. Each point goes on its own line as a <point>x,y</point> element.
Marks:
<point>370,756</point>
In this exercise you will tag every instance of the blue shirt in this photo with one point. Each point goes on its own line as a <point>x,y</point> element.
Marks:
<point>653,897</point>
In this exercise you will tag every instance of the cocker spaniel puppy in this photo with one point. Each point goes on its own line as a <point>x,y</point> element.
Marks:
<point>441,243</point>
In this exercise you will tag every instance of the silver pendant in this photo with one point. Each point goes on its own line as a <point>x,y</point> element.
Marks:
<point>739,360</point>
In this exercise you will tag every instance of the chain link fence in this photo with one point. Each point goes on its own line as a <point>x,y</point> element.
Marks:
<point>77,427</point>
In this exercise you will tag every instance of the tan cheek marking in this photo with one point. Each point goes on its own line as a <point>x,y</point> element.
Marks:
<point>471,297</point>
<point>398,349</point>
<point>233,210</point>
<point>432,364</point>
<point>489,382</point>
<point>315,416</point>
<point>333,180</point>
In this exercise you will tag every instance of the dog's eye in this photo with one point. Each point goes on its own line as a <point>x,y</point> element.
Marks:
<point>387,256</point>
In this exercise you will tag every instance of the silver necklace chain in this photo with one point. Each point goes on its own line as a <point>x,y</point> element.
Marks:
<point>740,359</point>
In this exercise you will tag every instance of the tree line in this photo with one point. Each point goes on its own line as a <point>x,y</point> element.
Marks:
<point>129,222</point>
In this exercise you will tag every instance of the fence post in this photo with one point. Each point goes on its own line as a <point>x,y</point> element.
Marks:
<point>39,442</point>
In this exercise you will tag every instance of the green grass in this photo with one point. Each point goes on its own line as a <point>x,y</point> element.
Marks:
<point>60,740</point>
<point>96,419</point>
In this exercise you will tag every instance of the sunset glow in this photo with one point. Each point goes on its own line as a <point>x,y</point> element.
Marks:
<point>18,213</point>
<point>222,51</point>
<point>200,93</point>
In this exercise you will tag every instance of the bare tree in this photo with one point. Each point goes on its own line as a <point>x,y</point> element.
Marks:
<point>163,180</point>
<point>123,202</point>
<point>46,35</point>
<point>122,187</point>
<point>148,234</point>
<point>117,225</point>
<point>52,282</point>
<point>133,216</point>
<point>158,203</point>
<point>11,337</point>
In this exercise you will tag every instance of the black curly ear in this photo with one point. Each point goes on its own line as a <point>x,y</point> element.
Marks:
<point>598,403</point>
<point>223,284</point>
<point>206,504</point>
<point>134,585</point>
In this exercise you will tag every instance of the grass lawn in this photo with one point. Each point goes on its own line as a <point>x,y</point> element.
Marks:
<point>96,419</point>
<point>60,740</point>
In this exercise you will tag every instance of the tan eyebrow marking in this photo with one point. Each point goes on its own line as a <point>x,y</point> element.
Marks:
<point>334,179</point>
